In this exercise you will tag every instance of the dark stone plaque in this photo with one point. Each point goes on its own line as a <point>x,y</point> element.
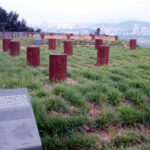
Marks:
<point>38,40</point>
<point>18,129</point>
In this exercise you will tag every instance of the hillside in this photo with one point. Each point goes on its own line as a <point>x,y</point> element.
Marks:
<point>96,108</point>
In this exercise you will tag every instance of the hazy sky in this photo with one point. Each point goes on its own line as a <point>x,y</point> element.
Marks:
<point>78,11</point>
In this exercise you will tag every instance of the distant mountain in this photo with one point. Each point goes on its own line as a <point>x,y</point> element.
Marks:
<point>131,23</point>
<point>127,24</point>
<point>122,28</point>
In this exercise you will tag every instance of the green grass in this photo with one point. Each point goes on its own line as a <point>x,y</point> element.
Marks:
<point>106,118</point>
<point>117,95</point>
<point>130,139</point>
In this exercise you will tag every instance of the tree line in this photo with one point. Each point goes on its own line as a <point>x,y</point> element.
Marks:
<point>9,22</point>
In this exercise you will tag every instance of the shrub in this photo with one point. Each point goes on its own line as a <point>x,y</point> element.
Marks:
<point>92,75</point>
<point>73,142</point>
<point>41,116</point>
<point>135,96</point>
<point>55,104</point>
<point>76,142</point>
<point>33,85</point>
<point>41,93</point>
<point>64,126</point>
<point>106,118</point>
<point>123,86</point>
<point>130,116</point>
<point>114,96</point>
<point>136,83</point>
<point>130,139</point>
<point>70,94</point>
<point>95,96</point>
<point>116,78</point>
<point>84,89</point>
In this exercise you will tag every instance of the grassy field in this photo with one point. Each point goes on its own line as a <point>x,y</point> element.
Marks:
<point>96,108</point>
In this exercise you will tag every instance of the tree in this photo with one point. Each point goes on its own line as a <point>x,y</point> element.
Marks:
<point>3,19</point>
<point>9,22</point>
<point>38,30</point>
<point>12,21</point>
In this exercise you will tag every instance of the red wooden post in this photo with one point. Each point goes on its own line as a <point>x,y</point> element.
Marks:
<point>92,37</point>
<point>98,42</point>
<point>33,56</point>
<point>6,45</point>
<point>42,36</point>
<point>102,55</point>
<point>133,44</point>
<point>51,34</point>
<point>52,44</point>
<point>116,38</point>
<point>68,47</point>
<point>106,49</point>
<point>68,36</point>
<point>14,48</point>
<point>57,67</point>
